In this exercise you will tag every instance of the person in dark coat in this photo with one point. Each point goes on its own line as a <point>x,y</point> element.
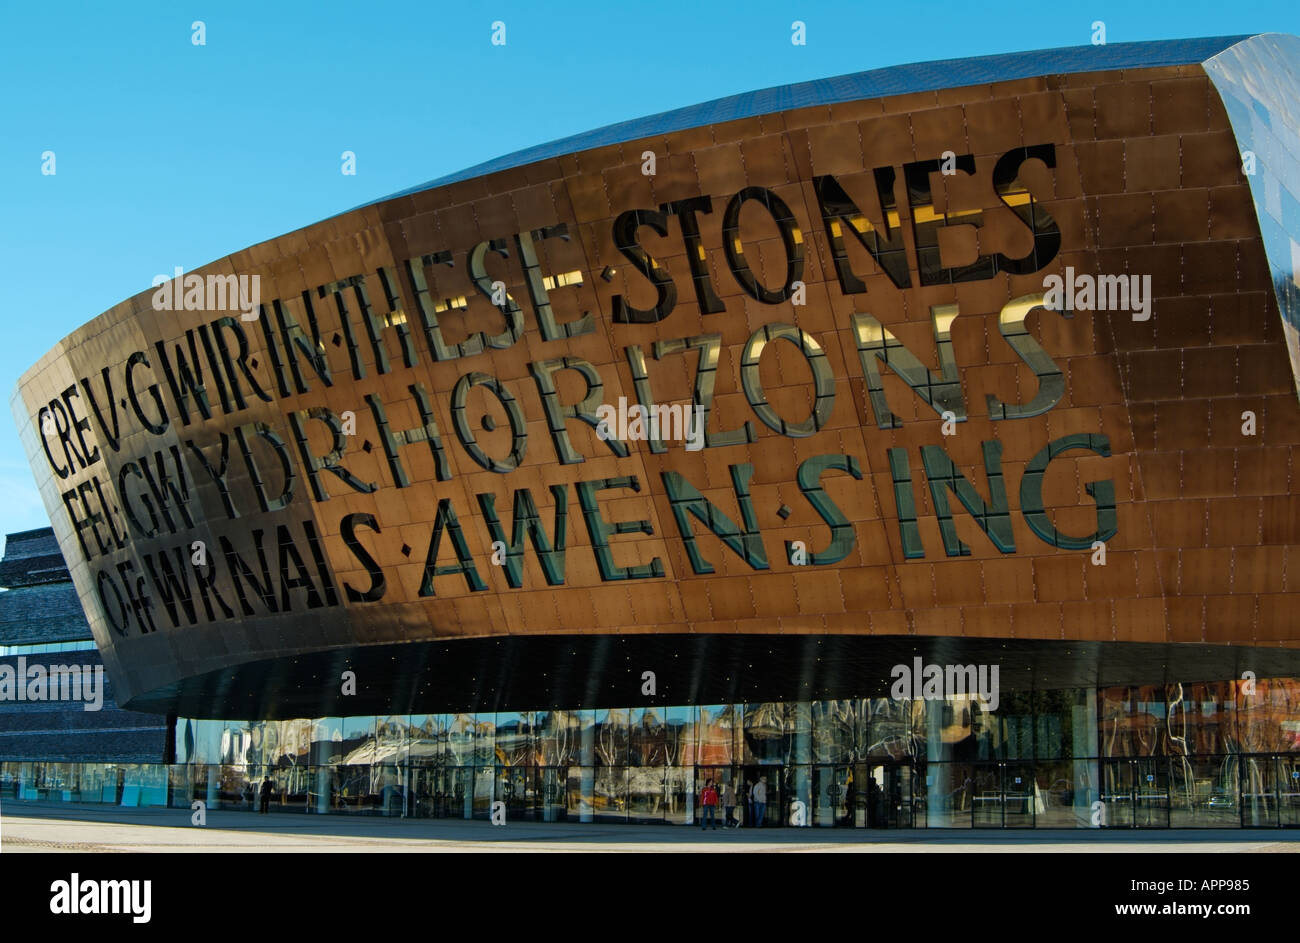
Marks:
<point>266,795</point>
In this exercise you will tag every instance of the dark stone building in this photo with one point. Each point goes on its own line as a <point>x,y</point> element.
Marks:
<point>42,623</point>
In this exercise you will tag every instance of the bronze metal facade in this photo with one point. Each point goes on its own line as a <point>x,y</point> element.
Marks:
<point>901,440</point>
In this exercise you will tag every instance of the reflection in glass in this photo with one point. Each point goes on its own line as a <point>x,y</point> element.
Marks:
<point>612,737</point>
<point>1205,754</point>
<point>714,732</point>
<point>1260,807</point>
<point>896,727</point>
<point>649,737</point>
<point>610,794</point>
<point>949,794</point>
<point>645,793</point>
<point>514,738</point>
<point>1203,791</point>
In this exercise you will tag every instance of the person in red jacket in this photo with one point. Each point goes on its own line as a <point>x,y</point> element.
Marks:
<point>709,801</point>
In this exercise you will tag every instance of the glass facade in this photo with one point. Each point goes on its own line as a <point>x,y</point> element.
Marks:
<point>1220,754</point>
<point>42,648</point>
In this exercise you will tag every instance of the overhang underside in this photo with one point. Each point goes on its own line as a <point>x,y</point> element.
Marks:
<point>573,672</point>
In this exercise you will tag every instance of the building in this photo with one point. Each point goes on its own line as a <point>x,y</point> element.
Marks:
<point>920,440</point>
<point>45,742</point>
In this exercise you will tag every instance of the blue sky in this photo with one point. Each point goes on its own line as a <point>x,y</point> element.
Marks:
<point>174,154</point>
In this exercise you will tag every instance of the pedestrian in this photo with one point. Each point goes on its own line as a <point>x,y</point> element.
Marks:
<point>709,801</point>
<point>266,795</point>
<point>729,803</point>
<point>760,801</point>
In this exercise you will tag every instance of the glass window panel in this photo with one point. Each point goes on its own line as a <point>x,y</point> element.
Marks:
<point>197,741</point>
<point>1116,722</point>
<point>1269,719</point>
<point>485,740</point>
<point>1065,723</point>
<point>949,731</point>
<point>835,736</point>
<point>1203,792</point>
<point>460,740</point>
<point>796,808</point>
<point>645,787</point>
<point>649,737</point>
<point>1150,732</point>
<point>326,741</point>
<point>1288,784</point>
<point>514,738</point>
<point>678,795</point>
<point>295,742</point>
<point>896,728</point>
<point>428,739</point>
<point>769,733</point>
<point>425,790</point>
<point>679,734</point>
<point>559,738</point>
<point>392,735</point>
<point>715,735</point>
<point>832,796</point>
<point>295,784</point>
<point>1064,792</point>
<point>610,794</point>
<point>949,790</point>
<point>487,788</point>
<point>1259,792</point>
<point>586,726</point>
<point>1015,721</point>
<point>458,790</point>
<point>358,740</point>
<point>520,792</point>
<point>356,788</point>
<point>612,737</point>
<point>554,786</point>
<point>580,794</point>
<point>987,798</point>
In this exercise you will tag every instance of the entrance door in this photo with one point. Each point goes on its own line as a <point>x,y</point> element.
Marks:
<point>1117,794</point>
<point>1288,786</point>
<point>834,795</point>
<point>887,795</point>
<point>1021,800</point>
<point>988,800</point>
<point>774,780</point>
<point>1151,793</point>
<point>1004,796</point>
<point>1259,806</point>
<point>1136,793</point>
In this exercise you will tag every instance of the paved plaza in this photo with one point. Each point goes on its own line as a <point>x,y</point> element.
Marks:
<point>54,827</point>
